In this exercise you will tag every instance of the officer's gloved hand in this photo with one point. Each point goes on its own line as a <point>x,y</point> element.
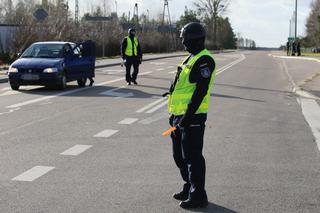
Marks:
<point>185,121</point>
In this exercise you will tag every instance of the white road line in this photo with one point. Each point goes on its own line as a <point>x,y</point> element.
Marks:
<point>128,121</point>
<point>311,112</point>
<point>170,67</point>
<point>228,66</point>
<point>172,72</point>
<point>33,173</point>
<point>150,105</point>
<point>106,133</point>
<point>76,150</point>
<point>160,69</point>
<point>6,89</point>
<point>154,118</point>
<point>157,107</point>
<point>297,58</point>
<point>10,111</point>
<point>158,63</point>
<point>113,92</point>
<point>25,103</point>
<point>113,70</point>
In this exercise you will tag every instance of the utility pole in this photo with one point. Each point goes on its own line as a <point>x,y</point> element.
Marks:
<point>296,21</point>
<point>136,15</point>
<point>166,8</point>
<point>76,12</point>
<point>104,30</point>
<point>116,7</point>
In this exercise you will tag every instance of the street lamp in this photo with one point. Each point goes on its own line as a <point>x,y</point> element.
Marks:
<point>296,21</point>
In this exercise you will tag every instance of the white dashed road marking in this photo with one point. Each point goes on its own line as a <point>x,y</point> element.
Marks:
<point>157,107</point>
<point>151,105</point>
<point>113,92</point>
<point>128,121</point>
<point>33,174</point>
<point>106,133</point>
<point>158,63</point>
<point>160,69</point>
<point>76,150</point>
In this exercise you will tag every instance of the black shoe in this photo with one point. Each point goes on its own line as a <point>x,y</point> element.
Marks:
<point>182,196</point>
<point>91,83</point>
<point>129,83</point>
<point>135,83</point>
<point>193,204</point>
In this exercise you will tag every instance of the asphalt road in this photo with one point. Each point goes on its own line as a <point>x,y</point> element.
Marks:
<point>100,149</point>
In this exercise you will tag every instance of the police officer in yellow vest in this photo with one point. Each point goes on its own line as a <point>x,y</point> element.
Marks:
<point>132,55</point>
<point>189,101</point>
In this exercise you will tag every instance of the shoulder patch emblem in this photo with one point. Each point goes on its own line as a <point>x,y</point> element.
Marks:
<point>205,72</point>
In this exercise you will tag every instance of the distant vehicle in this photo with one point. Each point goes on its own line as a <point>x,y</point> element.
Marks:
<point>316,50</point>
<point>53,64</point>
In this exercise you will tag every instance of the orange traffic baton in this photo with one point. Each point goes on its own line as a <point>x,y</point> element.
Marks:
<point>168,132</point>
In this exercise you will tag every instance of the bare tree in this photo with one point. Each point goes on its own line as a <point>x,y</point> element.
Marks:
<point>210,10</point>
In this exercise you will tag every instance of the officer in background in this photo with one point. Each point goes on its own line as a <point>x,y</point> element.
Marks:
<point>131,55</point>
<point>288,48</point>
<point>188,105</point>
<point>299,48</point>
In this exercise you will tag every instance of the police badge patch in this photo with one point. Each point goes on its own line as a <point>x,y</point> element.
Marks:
<point>205,72</point>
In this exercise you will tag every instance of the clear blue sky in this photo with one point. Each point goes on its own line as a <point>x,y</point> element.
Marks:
<point>265,21</point>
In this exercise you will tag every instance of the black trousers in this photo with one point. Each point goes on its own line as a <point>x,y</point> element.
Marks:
<point>132,61</point>
<point>187,154</point>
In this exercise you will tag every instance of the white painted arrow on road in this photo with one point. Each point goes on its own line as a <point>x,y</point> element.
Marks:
<point>113,92</point>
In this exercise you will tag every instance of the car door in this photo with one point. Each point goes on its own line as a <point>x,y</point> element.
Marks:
<point>70,62</point>
<point>88,57</point>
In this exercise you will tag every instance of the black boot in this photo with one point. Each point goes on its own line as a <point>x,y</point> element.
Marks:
<point>181,196</point>
<point>184,194</point>
<point>91,82</point>
<point>135,82</point>
<point>192,204</point>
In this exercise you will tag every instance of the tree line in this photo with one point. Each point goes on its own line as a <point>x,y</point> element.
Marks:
<point>156,34</point>
<point>312,38</point>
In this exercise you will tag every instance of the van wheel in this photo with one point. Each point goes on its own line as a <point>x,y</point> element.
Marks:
<point>62,84</point>
<point>82,82</point>
<point>14,86</point>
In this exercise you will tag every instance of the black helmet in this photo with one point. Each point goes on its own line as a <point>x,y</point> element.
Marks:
<point>193,31</point>
<point>131,30</point>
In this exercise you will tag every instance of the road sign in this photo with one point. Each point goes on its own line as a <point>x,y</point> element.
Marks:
<point>40,14</point>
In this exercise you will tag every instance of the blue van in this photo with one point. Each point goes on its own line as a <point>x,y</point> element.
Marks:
<point>53,64</point>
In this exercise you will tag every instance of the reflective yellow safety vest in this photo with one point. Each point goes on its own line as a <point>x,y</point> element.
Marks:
<point>129,50</point>
<point>183,91</point>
